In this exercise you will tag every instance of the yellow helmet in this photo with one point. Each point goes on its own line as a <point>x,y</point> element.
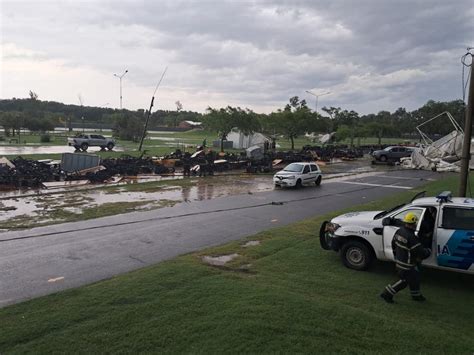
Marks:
<point>410,218</point>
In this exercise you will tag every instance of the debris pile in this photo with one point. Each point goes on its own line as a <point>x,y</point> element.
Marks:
<point>26,173</point>
<point>443,154</point>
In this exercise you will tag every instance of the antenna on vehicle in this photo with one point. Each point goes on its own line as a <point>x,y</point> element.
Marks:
<point>149,111</point>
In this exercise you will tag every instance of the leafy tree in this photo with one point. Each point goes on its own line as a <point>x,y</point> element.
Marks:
<point>294,120</point>
<point>33,95</point>
<point>128,127</point>
<point>343,132</point>
<point>223,121</point>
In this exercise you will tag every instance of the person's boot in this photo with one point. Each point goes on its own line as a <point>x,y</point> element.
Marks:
<point>419,298</point>
<point>387,297</point>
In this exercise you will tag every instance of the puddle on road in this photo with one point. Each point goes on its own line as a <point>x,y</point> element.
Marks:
<point>42,205</point>
<point>39,206</point>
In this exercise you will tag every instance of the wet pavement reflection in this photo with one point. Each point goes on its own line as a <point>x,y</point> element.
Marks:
<point>42,204</point>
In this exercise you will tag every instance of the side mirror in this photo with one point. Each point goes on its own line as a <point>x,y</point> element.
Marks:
<point>387,221</point>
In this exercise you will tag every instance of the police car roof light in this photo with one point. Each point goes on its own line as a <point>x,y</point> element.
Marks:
<point>444,196</point>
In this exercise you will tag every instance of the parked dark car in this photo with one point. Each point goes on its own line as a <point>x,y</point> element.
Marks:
<point>392,153</point>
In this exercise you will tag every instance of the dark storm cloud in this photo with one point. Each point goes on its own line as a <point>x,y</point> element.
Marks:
<point>372,55</point>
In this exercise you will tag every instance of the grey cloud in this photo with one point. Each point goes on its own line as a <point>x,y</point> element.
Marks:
<point>259,52</point>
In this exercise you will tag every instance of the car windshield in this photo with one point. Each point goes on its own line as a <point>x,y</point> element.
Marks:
<point>388,149</point>
<point>384,213</point>
<point>295,168</point>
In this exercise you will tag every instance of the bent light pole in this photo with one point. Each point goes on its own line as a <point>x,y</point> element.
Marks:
<point>120,77</point>
<point>149,111</point>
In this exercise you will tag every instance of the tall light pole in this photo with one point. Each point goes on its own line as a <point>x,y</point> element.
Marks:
<point>317,97</point>
<point>120,77</point>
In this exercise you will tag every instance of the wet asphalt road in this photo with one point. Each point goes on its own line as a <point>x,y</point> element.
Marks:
<point>44,260</point>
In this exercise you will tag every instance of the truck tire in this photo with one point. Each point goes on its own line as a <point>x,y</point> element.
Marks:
<point>356,255</point>
<point>110,146</point>
<point>84,146</point>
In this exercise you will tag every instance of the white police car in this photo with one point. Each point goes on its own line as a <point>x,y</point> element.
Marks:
<point>360,237</point>
<point>297,174</point>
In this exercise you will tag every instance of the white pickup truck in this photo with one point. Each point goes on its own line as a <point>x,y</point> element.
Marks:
<point>361,237</point>
<point>84,141</point>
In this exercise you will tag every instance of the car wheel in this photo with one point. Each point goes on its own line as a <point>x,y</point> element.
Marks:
<point>356,255</point>
<point>298,184</point>
<point>110,146</point>
<point>383,158</point>
<point>318,181</point>
<point>84,146</point>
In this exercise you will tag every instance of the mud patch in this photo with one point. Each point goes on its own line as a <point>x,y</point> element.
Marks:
<point>219,260</point>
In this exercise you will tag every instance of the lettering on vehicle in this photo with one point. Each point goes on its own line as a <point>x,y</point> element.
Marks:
<point>364,232</point>
<point>444,250</point>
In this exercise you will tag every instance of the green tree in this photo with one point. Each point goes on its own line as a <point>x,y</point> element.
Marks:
<point>294,120</point>
<point>223,121</point>
<point>128,127</point>
<point>343,132</point>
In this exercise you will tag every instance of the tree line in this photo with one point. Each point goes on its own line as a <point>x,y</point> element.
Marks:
<point>292,121</point>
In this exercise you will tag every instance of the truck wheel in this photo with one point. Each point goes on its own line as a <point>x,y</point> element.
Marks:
<point>110,146</point>
<point>318,181</point>
<point>298,184</point>
<point>356,255</point>
<point>84,146</point>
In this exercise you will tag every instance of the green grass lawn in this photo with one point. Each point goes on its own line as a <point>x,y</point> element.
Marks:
<point>285,295</point>
<point>186,141</point>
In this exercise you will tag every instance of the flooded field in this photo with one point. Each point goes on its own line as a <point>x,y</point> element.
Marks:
<point>24,209</point>
<point>44,149</point>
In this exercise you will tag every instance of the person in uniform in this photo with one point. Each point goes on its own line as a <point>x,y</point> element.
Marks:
<point>408,252</point>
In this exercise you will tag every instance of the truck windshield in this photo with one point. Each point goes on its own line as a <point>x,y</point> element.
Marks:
<point>458,218</point>
<point>384,213</point>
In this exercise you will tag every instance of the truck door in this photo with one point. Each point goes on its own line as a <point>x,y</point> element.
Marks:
<point>455,238</point>
<point>389,231</point>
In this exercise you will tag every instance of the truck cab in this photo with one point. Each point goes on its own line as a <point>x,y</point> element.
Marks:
<point>445,225</point>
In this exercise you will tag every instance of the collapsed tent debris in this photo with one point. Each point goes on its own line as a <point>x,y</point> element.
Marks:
<point>443,154</point>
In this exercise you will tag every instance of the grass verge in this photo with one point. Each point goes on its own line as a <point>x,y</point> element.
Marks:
<point>284,295</point>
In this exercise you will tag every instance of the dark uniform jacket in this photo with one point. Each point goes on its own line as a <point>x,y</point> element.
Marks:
<point>407,249</point>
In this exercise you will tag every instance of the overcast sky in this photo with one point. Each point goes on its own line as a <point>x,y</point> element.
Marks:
<point>370,55</point>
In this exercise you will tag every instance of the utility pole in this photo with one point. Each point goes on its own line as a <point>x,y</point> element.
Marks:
<point>466,146</point>
<point>149,111</point>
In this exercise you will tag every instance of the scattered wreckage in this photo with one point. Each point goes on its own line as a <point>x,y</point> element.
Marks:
<point>441,155</point>
<point>26,173</point>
